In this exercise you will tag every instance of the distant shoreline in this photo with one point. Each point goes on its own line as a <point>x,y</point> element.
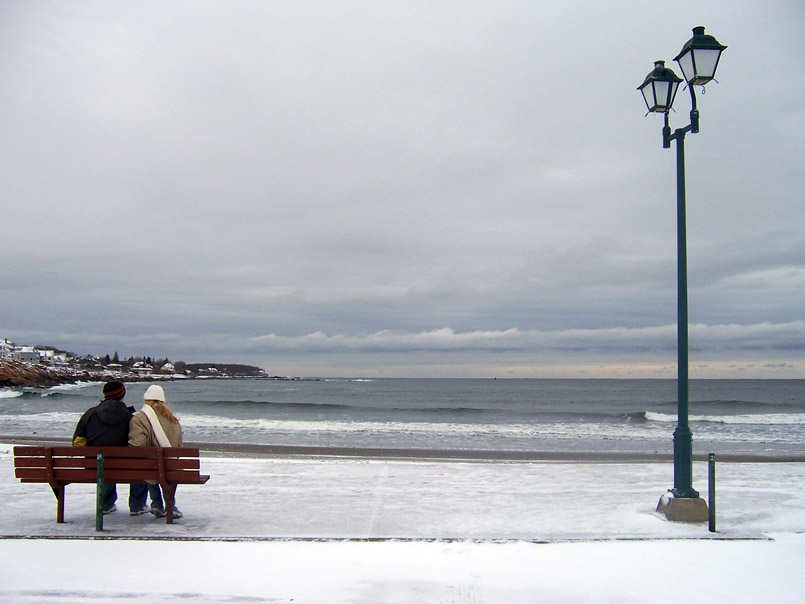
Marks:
<point>456,455</point>
<point>16,374</point>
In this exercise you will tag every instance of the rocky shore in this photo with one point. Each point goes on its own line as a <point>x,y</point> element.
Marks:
<point>21,375</point>
<point>16,374</point>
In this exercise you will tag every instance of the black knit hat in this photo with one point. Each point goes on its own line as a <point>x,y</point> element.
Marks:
<point>114,390</point>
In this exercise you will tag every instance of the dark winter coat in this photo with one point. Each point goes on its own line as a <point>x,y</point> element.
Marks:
<point>105,425</point>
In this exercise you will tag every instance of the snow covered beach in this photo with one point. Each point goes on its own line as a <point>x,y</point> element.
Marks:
<point>336,529</point>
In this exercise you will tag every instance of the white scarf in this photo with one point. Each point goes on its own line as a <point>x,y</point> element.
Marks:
<point>162,438</point>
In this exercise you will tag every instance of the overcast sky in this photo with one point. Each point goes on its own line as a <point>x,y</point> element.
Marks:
<point>402,188</point>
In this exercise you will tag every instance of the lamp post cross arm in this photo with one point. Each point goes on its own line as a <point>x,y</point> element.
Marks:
<point>677,135</point>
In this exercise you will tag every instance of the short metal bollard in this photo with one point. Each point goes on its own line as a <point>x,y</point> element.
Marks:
<point>711,475</point>
<point>99,495</point>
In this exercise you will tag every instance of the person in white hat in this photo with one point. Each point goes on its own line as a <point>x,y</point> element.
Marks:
<point>155,426</point>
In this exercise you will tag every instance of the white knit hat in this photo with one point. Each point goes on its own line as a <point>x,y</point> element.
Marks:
<point>154,393</point>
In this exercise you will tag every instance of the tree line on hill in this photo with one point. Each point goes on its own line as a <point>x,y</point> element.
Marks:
<point>165,365</point>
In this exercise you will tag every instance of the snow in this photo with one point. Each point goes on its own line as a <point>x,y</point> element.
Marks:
<point>367,530</point>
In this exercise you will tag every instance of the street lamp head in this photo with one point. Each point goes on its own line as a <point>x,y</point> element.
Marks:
<point>698,59</point>
<point>659,88</point>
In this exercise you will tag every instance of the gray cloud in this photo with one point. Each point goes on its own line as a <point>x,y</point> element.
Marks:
<point>713,338</point>
<point>441,189</point>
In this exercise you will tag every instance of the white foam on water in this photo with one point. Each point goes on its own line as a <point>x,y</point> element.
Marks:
<point>202,424</point>
<point>70,387</point>
<point>769,419</point>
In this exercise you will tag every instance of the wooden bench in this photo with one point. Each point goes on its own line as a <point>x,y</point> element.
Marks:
<point>60,466</point>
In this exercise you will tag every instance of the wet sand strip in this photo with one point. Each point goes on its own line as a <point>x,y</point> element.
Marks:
<point>257,450</point>
<point>251,450</point>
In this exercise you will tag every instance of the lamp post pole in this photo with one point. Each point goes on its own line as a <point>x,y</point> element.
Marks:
<point>683,437</point>
<point>698,60</point>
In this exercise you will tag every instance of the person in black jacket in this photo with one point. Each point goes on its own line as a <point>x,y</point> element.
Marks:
<point>107,425</point>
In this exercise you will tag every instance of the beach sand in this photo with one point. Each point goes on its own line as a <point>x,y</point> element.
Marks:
<point>313,526</point>
<point>260,450</point>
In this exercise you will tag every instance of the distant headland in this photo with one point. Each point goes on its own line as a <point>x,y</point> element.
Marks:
<point>44,367</point>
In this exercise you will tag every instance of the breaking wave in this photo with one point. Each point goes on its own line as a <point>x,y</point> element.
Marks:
<point>770,419</point>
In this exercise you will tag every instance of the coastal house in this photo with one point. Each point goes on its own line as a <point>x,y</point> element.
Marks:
<point>6,348</point>
<point>26,354</point>
<point>47,357</point>
<point>141,368</point>
<point>114,368</point>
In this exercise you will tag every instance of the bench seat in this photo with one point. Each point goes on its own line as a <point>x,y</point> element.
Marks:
<point>60,466</point>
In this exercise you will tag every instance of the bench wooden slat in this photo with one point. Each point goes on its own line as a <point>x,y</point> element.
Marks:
<point>114,462</point>
<point>150,452</point>
<point>71,475</point>
<point>170,464</point>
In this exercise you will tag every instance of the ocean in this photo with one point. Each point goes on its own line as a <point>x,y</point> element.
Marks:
<point>552,415</point>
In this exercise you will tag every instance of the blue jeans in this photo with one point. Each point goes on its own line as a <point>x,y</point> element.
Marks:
<point>108,495</point>
<point>139,494</point>
<point>155,492</point>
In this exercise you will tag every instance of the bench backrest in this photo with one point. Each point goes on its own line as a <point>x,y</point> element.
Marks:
<point>63,465</point>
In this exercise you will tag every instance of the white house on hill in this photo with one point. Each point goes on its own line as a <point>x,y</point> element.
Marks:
<point>25,354</point>
<point>141,368</point>
<point>167,368</point>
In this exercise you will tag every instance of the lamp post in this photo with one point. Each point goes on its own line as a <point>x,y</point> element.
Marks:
<point>698,60</point>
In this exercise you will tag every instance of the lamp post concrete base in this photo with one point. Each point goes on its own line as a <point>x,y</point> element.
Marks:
<point>683,509</point>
